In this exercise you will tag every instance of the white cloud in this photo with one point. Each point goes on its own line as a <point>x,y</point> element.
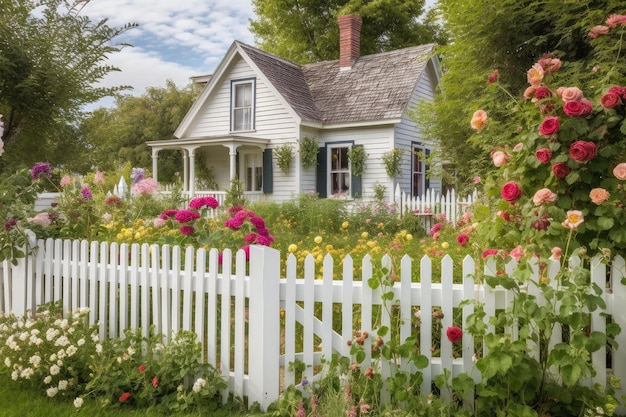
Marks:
<point>176,39</point>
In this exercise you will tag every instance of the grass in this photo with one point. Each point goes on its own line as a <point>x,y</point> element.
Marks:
<point>17,402</point>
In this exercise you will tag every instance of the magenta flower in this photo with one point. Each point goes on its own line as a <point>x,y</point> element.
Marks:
<point>186,216</point>
<point>187,230</point>
<point>167,214</point>
<point>86,193</point>
<point>250,238</point>
<point>258,222</point>
<point>454,334</point>
<point>462,239</point>
<point>40,169</point>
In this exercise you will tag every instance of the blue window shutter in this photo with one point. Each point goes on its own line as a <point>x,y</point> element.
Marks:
<point>322,173</point>
<point>426,168</point>
<point>268,171</point>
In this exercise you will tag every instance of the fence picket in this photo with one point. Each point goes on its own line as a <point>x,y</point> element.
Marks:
<point>130,286</point>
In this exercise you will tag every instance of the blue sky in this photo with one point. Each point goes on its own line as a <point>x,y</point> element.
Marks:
<point>175,40</point>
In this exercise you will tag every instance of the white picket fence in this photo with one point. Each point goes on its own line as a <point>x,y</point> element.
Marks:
<point>253,320</point>
<point>433,203</point>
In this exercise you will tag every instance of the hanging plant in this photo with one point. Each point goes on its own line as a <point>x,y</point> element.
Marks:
<point>308,152</point>
<point>393,162</point>
<point>284,155</point>
<point>357,157</point>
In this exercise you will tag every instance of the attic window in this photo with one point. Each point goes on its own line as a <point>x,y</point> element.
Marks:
<point>242,105</point>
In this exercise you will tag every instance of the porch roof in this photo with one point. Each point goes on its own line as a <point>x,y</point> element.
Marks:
<point>223,140</point>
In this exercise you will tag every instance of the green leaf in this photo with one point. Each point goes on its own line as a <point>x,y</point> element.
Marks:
<point>571,374</point>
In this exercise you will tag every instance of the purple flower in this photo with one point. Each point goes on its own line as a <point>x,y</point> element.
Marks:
<point>185,216</point>
<point>86,193</point>
<point>39,170</point>
<point>137,175</point>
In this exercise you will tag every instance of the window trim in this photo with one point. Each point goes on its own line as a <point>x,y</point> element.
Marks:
<point>233,85</point>
<point>258,158</point>
<point>417,147</point>
<point>329,170</point>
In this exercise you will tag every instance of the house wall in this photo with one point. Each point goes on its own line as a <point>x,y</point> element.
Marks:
<point>375,142</point>
<point>308,178</point>
<point>407,132</point>
<point>272,121</point>
<point>217,159</point>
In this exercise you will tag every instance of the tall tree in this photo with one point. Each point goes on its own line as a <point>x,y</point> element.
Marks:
<point>118,135</point>
<point>508,36</point>
<point>305,31</point>
<point>51,59</point>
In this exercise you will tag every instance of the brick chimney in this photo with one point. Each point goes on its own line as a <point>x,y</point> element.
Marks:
<point>349,40</point>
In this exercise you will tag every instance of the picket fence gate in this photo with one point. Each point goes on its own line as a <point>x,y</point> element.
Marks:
<point>252,323</point>
<point>433,203</point>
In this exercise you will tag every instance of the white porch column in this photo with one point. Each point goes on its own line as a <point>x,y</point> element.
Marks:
<point>192,172</point>
<point>232,151</point>
<point>185,170</point>
<point>155,164</point>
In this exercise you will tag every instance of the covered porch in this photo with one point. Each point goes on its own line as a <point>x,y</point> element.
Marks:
<point>229,157</point>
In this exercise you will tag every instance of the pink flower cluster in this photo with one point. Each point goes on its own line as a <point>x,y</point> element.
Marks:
<point>147,186</point>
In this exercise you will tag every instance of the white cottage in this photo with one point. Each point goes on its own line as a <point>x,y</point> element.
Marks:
<point>255,103</point>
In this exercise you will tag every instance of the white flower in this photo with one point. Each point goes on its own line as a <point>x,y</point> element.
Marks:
<point>53,357</point>
<point>34,340</point>
<point>27,373</point>
<point>62,341</point>
<point>52,391</point>
<point>71,350</point>
<point>54,370</point>
<point>99,348</point>
<point>7,362</point>
<point>95,338</point>
<point>51,334</point>
<point>78,402</point>
<point>199,384</point>
<point>35,360</point>
<point>131,351</point>
<point>80,342</point>
<point>23,336</point>
<point>14,375</point>
<point>62,385</point>
<point>47,379</point>
<point>61,354</point>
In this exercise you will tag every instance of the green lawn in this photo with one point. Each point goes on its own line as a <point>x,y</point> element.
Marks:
<point>16,402</point>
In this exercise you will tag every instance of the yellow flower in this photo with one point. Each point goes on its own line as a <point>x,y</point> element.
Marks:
<point>574,219</point>
<point>292,248</point>
<point>318,239</point>
<point>364,235</point>
<point>445,245</point>
<point>345,225</point>
<point>409,237</point>
<point>329,248</point>
<point>319,258</point>
<point>402,233</point>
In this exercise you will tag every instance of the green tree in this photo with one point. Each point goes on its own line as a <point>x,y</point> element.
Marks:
<point>305,31</point>
<point>508,36</point>
<point>119,135</point>
<point>51,59</point>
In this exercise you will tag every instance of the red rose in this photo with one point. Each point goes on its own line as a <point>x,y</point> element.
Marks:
<point>542,92</point>
<point>462,239</point>
<point>610,100</point>
<point>454,334</point>
<point>544,155</point>
<point>561,170</point>
<point>620,91</point>
<point>549,126</point>
<point>511,192</point>
<point>124,396</point>
<point>581,108</point>
<point>582,151</point>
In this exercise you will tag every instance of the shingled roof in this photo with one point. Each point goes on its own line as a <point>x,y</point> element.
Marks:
<point>377,87</point>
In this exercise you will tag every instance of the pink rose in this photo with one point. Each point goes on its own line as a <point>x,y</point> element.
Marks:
<point>479,119</point>
<point>544,196</point>
<point>561,170</point>
<point>518,147</point>
<point>517,253</point>
<point>582,151</point>
<point>544,155</point>
<point>542,92</point>
<point>599,195</point>
<point>582,108</point>
<point>549,126</point>
<point>599,30</point>
<point>511,192</point>
<point>493,77</point>
<point>549,64</point>
<point>530,91</point>
<point>610,100</point>
<point>499,158</point>
<point>489,252</point>
<point>620,171</point>
<point>570,94</point>
<point>616,19</point>
<point>620,91</point>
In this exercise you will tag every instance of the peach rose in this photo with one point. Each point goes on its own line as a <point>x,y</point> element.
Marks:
<point>599,195</point>
<point>530,91</point>
<point>616,19</point>
<point>499,158</point>
<point>544,196</point>
<point>599,30</point>
<point>535,75</point>
<point>620,171</point>
<point>479,119</point>
<point>570,94</point>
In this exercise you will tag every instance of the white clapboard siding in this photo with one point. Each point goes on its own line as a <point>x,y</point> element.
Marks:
<point>235,307</point>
